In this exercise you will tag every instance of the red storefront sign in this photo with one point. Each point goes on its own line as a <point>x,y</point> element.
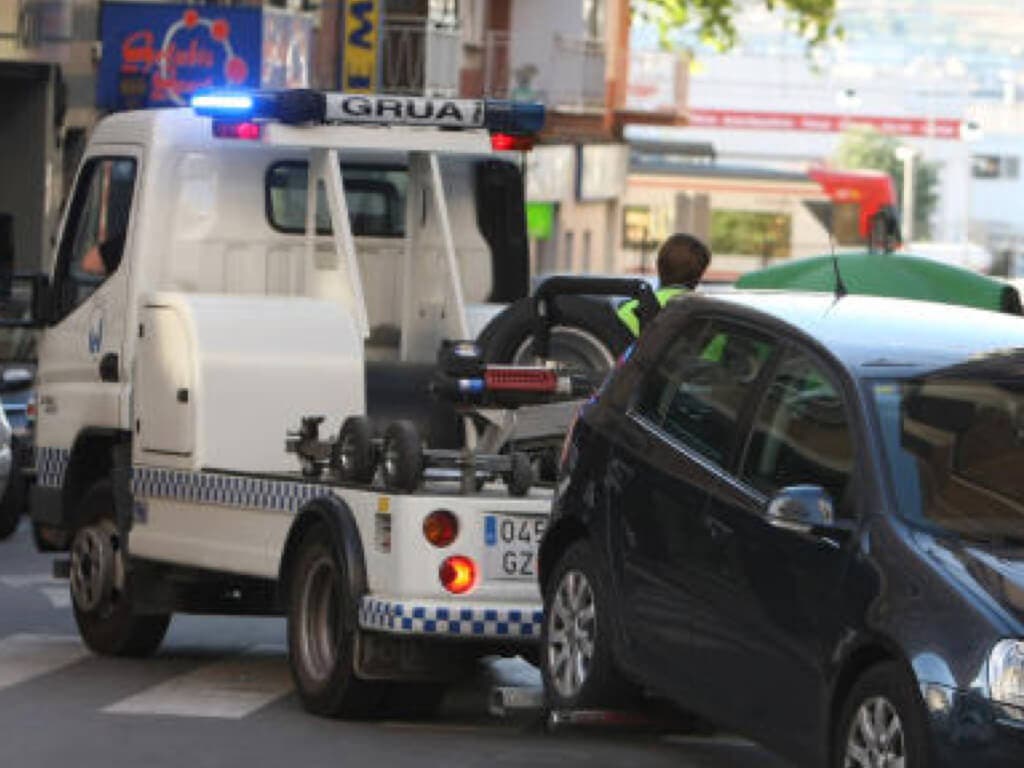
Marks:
<point>939,128</point>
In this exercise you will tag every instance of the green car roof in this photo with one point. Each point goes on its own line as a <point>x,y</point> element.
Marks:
<point>895,275</point>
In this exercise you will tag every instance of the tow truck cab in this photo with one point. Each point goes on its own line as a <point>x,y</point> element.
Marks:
<point>205,217</point>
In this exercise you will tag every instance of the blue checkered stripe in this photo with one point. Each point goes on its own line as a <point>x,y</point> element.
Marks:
<point>223,490</point>
<point>51,464</point>
<point>409,618</point>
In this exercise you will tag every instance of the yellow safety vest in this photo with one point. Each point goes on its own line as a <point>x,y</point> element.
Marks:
<point>628,310</point>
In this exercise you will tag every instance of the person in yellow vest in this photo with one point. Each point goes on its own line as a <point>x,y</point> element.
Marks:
<point>682,261</point>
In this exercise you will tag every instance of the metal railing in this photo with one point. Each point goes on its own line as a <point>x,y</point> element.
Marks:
<point>573,79</point>
<point>419,56</point>
<point>577,73</point>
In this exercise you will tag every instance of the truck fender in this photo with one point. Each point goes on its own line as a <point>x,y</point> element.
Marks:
<point>96,454</point>
<point>336,516</point>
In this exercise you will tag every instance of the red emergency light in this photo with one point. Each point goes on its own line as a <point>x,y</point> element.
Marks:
<point>507,142</point>
<point>223,129</point>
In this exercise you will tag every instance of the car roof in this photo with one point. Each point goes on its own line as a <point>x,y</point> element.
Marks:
<point>875,336</point>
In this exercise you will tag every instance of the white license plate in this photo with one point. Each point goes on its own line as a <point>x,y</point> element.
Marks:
<point>510,546</point>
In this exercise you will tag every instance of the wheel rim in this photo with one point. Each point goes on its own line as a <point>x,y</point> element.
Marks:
<point>347,454</point>
<point>578,349</point>
<point>391,461</point>
<point>876,738</point>
<point>572,628</point>
<point>94,567</point>
<point>318,625</point>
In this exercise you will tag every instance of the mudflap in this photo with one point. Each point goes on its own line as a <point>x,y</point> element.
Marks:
<point>381,656</point>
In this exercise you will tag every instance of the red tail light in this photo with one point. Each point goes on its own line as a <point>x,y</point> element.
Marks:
<point>506,142</point>
<point>234,130</point>
<point>458,574</point>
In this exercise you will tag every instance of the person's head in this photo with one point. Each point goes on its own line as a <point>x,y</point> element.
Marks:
<point>682,260</point>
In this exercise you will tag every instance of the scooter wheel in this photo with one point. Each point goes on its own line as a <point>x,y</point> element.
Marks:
<point>402,460</point>
<point>519,478</point>
<point>353,457</point>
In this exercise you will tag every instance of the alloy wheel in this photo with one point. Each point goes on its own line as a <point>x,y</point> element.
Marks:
<point>572,628</point>
<point>876,737</point>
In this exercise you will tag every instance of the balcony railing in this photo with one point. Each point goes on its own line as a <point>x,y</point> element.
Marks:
<point>577,74</point>
<point>35,29</point>
<point>420,57</point>
<point>573,79</point>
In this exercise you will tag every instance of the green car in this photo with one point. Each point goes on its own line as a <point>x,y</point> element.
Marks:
<point>896,275</point>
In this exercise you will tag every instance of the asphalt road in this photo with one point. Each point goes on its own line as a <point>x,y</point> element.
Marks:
<point>218,694</point>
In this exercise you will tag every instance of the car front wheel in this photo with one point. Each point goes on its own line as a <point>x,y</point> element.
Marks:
<point>577,659</point>
<point>882,725</point>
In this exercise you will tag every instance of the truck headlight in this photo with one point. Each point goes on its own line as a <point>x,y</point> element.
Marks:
<point>1006,675</point>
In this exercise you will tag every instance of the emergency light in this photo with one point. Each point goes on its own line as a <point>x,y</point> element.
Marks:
<point>302,106</point>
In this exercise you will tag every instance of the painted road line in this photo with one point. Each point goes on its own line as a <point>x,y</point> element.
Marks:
<point>229,689</point>
<point>59,597</point>
<point>23,657</point>
<point>21,580</point>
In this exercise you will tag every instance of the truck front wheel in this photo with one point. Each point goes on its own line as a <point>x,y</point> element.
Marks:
<point>101,584</point>
<point>322,633</point>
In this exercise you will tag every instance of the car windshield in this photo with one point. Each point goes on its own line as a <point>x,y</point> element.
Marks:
<point>955,448</point>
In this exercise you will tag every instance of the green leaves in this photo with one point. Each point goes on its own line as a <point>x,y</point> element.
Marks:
<point>813,20</point>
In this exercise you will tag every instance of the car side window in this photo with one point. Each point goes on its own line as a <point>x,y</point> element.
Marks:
<point>697,389</point>
<point>801,433</point>
<point>96,229</point>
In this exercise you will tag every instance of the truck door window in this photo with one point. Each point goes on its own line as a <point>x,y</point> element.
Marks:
<point>375,197</point>
<point>97,225</point>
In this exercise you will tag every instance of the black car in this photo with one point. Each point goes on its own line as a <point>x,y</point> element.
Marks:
<point>802,518</point>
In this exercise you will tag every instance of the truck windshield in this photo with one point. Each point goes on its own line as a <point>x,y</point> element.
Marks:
<point>955,448</point>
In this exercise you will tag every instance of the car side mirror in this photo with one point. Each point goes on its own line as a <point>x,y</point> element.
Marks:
<point>801,508</point>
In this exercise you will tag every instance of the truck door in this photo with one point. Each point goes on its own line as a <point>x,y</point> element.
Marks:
<point>81,362</point>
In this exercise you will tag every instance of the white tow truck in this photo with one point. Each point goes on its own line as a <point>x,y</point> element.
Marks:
<point>222,274</point>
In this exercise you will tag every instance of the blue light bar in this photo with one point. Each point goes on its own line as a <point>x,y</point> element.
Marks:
<point>303,106</point>
<point>223,104</point>
<point>518,118</point>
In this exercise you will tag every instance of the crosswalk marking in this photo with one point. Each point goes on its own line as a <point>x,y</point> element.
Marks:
<point>59,597</point>
<point>229,689</point>
<point>25,656</point>
<point>20,580</point>
<point>55,590</point>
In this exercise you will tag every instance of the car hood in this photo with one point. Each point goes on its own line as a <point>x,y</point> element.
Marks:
<point>992,569</point>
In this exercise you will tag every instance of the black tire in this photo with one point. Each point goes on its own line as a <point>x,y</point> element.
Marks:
<point>112,628</point>
<point>322,634</point>
<point>12,504</point>
<point>886,682</point>
<point>402,458</point>
<point>519,479</point>
<point>353,457</point>
<point>583,320</point>
<point>602,686</point>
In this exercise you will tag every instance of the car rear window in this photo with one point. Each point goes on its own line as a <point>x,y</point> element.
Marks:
<point>375,196</point>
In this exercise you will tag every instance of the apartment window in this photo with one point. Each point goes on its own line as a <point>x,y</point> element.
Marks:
<point>587,266</point>
<point>995,167</point>
<point>567,257</point>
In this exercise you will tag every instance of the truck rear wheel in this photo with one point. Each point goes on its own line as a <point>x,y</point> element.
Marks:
<point>101,584</point>
<point>321,639</point>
